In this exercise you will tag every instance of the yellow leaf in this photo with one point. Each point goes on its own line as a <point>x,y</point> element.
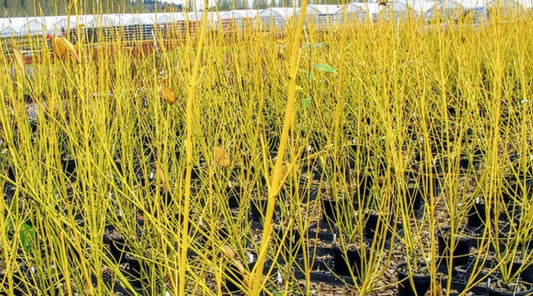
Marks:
<point>161,175</point>
<point>61,46</point>
<point>240,267</point>
<point>169,95</point>
<point>19,60</point>
<point>221,157</point>
<point>284,169</point>
<point>229,252</point>
<point>282,174</point>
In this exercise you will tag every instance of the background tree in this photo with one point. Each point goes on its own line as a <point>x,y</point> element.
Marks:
<point>260,4</point>
<point>22,8</point>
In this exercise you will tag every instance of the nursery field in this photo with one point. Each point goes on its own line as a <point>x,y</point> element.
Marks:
<point>369,159</point>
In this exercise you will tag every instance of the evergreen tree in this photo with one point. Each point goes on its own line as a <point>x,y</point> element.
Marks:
<point>18,8</point>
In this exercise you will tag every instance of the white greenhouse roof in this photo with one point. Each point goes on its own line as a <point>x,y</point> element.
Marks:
<point>327,9</point>
<point>419,5</point>
<point>464,4</point>
<point>283,12</point>
<point>358,7</point>
<point>239,14</point>
<point>32,27</point>
<point>8,32</point>
<point>167,18</point>
<point>104,20</point>
<point>137,19</point>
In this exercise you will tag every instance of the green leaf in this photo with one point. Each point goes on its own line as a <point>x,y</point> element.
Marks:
<point>310,76</point>
<point>8,226</point>
<point>314,45</point>
<point>27,235</point>
<point>319,44</point>
<point>325,68</point>
<point>306,103</point>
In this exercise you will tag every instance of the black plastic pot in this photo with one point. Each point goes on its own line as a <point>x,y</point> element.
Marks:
<point>420,282</point>
<point>455,254</point>
<point>69,168</point>
<point>380,224</point>
<point>358,152</point>
<point>323,230</point>
<point>415,199</point>
<point>516,188</point>
<point>471,161</point>
<point>147,178</point>
<point>334,209</point>
<point>347,261</point>
<point>320,264</point>
<point>463,276</point>
<point>308,194</point>
<point>196,172</point>
<point>526,275</point>
<point>258,211</point>
<point>329,209</point>
<point>233,195</point>
<point>465,163</point>
<point>118,249</point>
<point>311,170</point>
<point>273,142</point>
<point>253,174</point>
<point>11,173</point>
<point>304,194</point>
<point>441,163</point>
<point>234,279</point>
<point>137,273</point>
<point>363,187</point>
<point>496,288</point>
<point>18,285</point>
<point>477,216</point>
<point>292,245</point>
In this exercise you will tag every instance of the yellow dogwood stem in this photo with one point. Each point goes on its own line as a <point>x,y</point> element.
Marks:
<point>256,281</point>
<point>191,97</point>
